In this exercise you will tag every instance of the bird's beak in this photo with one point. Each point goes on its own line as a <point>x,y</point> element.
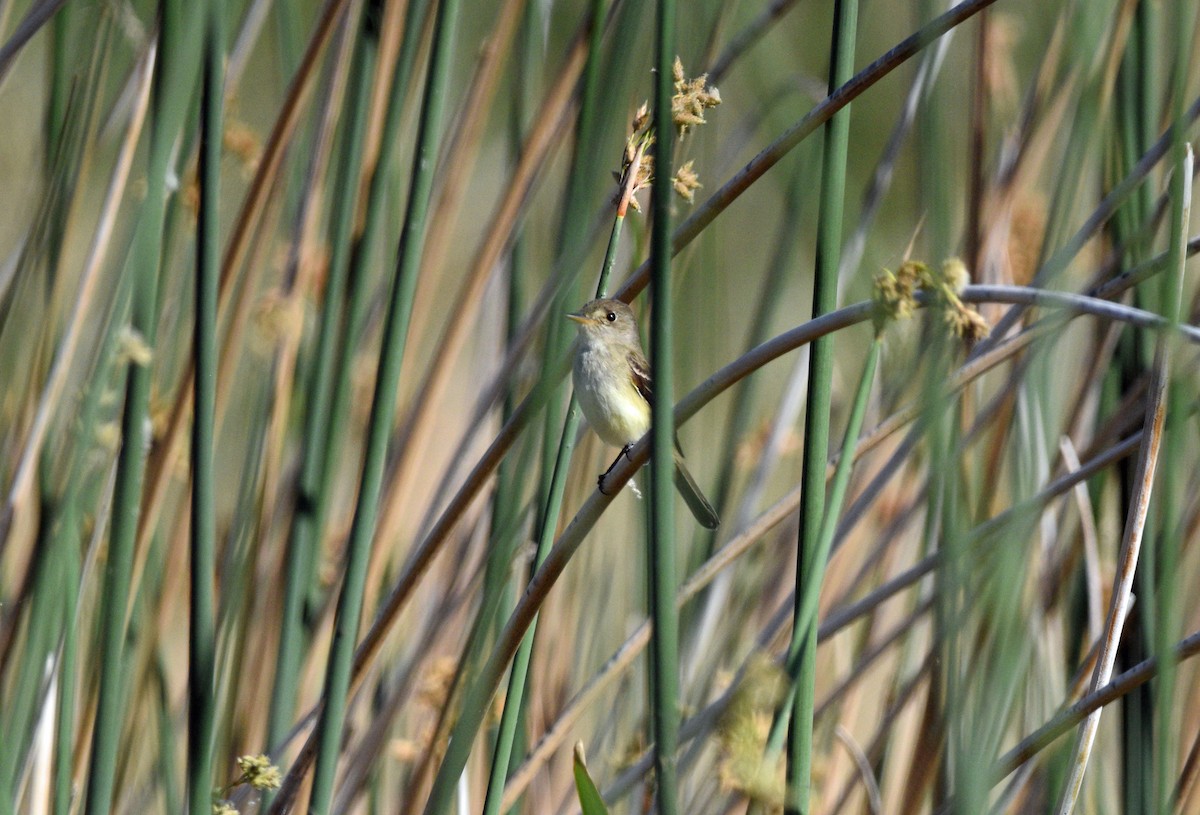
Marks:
<point>579,318</point>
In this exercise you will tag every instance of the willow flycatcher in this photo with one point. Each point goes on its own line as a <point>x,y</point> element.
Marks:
<point>612,382</point>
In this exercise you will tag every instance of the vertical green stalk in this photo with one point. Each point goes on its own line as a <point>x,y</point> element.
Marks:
<point>55,129</point>
<point>806,617</point>
<point>816,423</point>
<point>377,210</point>
<point>1165,554</point>
<point>935,179</point>
<point>306,525</point>
<point>362,530</point>
<point>806,620</point>
<point>60,82</point>
<point>664,670</point>
<point>178,57</point>
<point>202,634</point>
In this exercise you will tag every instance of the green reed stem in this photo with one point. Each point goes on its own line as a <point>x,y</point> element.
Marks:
<point>202,635</point>
<point>362,530</point>
<point>178,63</point>
<point>306,524</point>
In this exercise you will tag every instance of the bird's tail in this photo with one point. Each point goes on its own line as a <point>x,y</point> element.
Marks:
<point>703,511</point>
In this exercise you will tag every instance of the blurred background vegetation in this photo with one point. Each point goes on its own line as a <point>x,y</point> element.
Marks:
<point>384,208</point>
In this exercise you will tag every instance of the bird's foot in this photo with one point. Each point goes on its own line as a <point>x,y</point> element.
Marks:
<point>600,481</point>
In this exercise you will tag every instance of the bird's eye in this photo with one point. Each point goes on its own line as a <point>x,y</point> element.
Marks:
<point>612,316</point>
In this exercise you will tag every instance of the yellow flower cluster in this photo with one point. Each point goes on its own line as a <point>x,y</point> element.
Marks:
<point>895,296</point>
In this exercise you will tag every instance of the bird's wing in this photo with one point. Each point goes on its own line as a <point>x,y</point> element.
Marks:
<point>639,369</point>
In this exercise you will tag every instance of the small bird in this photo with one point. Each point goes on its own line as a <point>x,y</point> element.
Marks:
<point>612,382</point>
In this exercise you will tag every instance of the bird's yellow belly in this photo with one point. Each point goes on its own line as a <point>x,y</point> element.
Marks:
<point>619,415</point>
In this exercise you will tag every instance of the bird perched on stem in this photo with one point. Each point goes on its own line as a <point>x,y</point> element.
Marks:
<point>612,382</point>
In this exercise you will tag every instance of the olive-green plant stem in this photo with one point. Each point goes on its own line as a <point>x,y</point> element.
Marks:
<point>349,608</point>
<point>664,663</point>
<point>816,417</point>
<point>805,620</point>
<point>56,128</point>
<point>306,528</point>
<point>1139,108</point>
<point>201,633</point>
<point>56,106</point>
<point>175,80</point>
<point>64,731</point>
<point>934,163</point>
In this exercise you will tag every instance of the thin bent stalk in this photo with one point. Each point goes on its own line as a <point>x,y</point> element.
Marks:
<point>202,635</point>
<point>349,608</point>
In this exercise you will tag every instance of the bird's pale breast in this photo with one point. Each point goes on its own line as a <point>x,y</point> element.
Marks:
<point>619,415</point>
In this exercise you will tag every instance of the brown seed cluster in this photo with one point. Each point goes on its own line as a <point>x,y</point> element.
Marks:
<point>692,97</point>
